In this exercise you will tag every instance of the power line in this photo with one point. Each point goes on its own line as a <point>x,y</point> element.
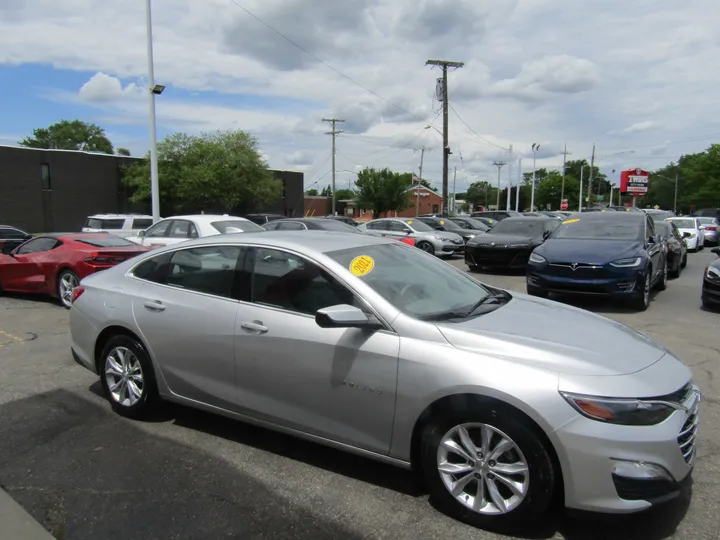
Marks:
<point>473,131</point>
<point>323,62</point>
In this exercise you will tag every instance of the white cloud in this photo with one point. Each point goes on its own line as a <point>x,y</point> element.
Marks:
<point>639,127</point>
<point>543,71</point>
<point>102,88</point>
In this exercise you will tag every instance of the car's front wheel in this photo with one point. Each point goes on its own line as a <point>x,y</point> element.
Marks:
<point>641,299</point>
<point>427,247</point>
<point>127,376</point>
<point>487,467</point>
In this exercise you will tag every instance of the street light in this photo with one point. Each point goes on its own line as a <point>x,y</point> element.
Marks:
<point>535,148</point>
<point>674,181</point>
<point>153,90</point>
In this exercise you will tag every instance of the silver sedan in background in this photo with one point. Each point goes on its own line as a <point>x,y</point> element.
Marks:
<point>366,344</point>
<point>441,243</point>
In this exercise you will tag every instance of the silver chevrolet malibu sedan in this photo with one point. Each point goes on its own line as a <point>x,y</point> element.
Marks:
<point>500,400</point>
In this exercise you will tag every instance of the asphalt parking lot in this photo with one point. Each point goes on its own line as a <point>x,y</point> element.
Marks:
<point>84,473</point>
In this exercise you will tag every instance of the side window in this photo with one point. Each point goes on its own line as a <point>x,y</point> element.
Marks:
<point>158,230</point>
<point>271,226</point>
<point>154,269</point>
<point>287,281</point>
<point>398,226</point>
<point>180,229</point>
<point>113,224</point>
<point>37,245</point>
<point>377,225</point>
<point>192,231</point>
<point>141,223</point>
<point>13,234</point>
<point>208,270</point>
<point>650,227</point>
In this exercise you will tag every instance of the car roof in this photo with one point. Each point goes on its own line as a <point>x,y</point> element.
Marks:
<point>608,216</point>
<point>317,241</point>
<point>119,216</point>
<point>73,236</point>
<point>530,219</point>
<point>207,218</point>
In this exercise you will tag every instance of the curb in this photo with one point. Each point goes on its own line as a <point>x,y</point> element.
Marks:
<point>17,523</point>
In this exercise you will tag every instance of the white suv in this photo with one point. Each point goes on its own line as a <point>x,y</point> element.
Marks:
<point>123,225</point>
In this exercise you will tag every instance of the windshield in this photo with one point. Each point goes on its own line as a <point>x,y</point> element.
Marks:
<point>520,226</point>
<point>446,223</point>
<point>663,228</point>
<point>420,286</point>
<point>600,229</point>
<point>475,224</point>
<point>706,220</point>
<point>419,225</point>
<point>107,242</point>
<point>684,223</point>
<point>235,226</point>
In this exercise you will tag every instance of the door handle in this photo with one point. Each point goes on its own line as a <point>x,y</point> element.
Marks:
<point>154,306</point>
<point>255,326</point>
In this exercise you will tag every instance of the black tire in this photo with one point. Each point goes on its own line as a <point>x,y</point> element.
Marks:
<point>675,273</point>
<point>471,268</point>
<point>641,300</point>
<point>537,291</point>
<point>683,264</point>
<point>541,471</point>
<point>65,297</point>
<point>427,247</point>
<point>661,285</point>
<point>149,393</point>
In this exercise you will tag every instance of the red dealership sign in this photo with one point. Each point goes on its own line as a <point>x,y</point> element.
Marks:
<point>634,182</point>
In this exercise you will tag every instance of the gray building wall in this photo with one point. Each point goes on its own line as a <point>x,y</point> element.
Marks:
<point>55,190</point>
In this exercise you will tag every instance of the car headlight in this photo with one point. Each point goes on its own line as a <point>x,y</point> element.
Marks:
<point>627,263</point>
<point>712,272</point>
<point>539,259</point>
<point>623,412</point>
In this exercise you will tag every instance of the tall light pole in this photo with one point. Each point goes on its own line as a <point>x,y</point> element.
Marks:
<point>499,165</point>
<point>535,148</point>
<point>152,90</point>
<point>582,170</point>
<point>517,190</point>
<point>509,189</point>
<point>417,189</point>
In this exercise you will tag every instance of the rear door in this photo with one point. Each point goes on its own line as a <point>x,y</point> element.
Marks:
<point>186,312</point>
<point>656,252</point>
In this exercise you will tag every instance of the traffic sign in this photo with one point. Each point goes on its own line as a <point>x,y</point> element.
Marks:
<point>601,197</point>
<point>564,204</point>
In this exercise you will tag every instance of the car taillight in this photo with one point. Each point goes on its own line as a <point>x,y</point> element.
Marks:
<point>104,259</point>
<point>77,292</point>
<point>711,228</point>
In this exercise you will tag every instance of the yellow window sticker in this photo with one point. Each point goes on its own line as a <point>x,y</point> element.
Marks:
<point>409,222</point>
<point>567,221</point>
<point>442,222</point>
<point>362,265</point>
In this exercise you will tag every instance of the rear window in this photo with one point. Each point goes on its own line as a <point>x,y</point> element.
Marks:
<point>94,223</point>
<point>235,226</point>
<point>106,242</point>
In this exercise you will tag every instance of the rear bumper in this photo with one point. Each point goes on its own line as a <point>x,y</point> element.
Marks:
<point>711,237</point>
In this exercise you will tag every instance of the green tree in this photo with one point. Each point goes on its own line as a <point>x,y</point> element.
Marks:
<point>382,190</point>
<point>481,193</point>
<point>122,151</point>
<point>540,175</point>
<point>70,135</point>
<point>550,190</point>
<point>311,192</point>
<point>222,168</point>
<point>344,194</point>
<point>427,184</point>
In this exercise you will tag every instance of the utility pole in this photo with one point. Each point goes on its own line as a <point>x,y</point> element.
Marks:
<point>562,189</point>
<point>334,132</point>
<point>582,170</point>
<point>676,192</point>
<point>535,148</point>
<point>499,165</point>
<point>517,189</point>
<point>454,179</point>
<point>445,64</point>
<point>510,160</point>
<point>417,189</point>
<point>590,180</point>
<point>154,181</point>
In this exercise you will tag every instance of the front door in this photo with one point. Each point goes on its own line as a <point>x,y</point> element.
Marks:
<point>186,313</point>
<point>335,383</point>
<point>21,272</point>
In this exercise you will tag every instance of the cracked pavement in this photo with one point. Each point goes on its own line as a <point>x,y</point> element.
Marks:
<point>84,473</point>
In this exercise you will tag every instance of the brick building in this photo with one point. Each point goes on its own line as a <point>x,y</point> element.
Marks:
<point>429,203</point>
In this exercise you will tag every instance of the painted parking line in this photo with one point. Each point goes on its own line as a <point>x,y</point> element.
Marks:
<point>6,338</point>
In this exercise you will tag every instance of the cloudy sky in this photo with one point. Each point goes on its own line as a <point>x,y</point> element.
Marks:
<point>636,76</point>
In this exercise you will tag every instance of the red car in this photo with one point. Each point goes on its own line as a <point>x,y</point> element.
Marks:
<point>54,264</point>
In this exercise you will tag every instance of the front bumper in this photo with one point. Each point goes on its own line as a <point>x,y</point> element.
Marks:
<point>623,469</point>
<point>601,281</point>
<point>711,290</point>
<point>448,248</point>
<point>497,257</point>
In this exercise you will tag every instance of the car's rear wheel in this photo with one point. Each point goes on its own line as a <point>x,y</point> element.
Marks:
<point>127,377</point>
<point>67,281</point>
<point>683,264</point>
<point>641,300</point>
<point>487,468</point>
<point>661,285</point>
<point>427,247</point>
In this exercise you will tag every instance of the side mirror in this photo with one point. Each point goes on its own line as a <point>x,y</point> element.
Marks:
<point>141,234</point>
<point>652,240</point>
<point>546,235</point>
<point>345,316</point>
<point>686,235</point>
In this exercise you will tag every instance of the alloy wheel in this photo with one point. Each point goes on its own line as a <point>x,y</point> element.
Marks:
<point>124,376</point>
<point>483,468</point>
<point>68,283</point>
<point>646,290</point>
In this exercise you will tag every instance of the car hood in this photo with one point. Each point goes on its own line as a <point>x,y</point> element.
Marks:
<point>554,336</point>
<point>588,251</point>
<point>491,238</point>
